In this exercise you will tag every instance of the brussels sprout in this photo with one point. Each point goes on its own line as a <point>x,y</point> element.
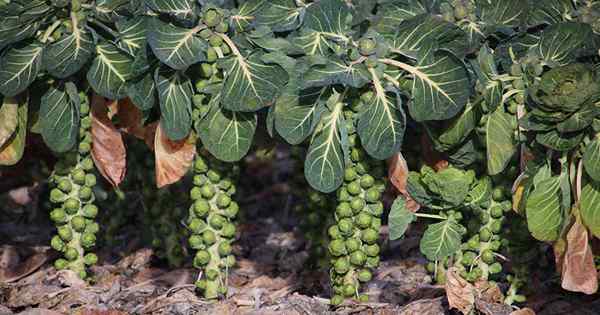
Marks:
<point>196,225</point>
<point>78,223</point>
<point>209,237</point>
<point>217,221</point>
<point>78,176</point>
<point>358,258</point>
<point>200,166</point>
<point>367,46</point>
<point>496,226</point>
<point>208,191</point>
<point>341,266</point>
<point>352,244</point>
<point>65,185</point>
<point>84,147</point>
<point>376,208</point>
<point>91,227</point>
<point>202,258</point>
<point>369,236</point>
<point>363,220</point>
<point>468,258</point>
<point>343,195</point>
<point>65,233</point>
<point>495,268</point>
<point>61,264</point>
<point>71,253</point>
<point>350,174</point>
<point>367,181</point>
<point>354,188</point>
<point>90,180</point>
<point>87,164</point>
<point>195,193</point>
<point>488,257</point>
<point>58,216</point>
<point>365,275</point>
<point>373,195</point>
<point>228,230</point>
<point>88,240</point>
<point>334,232</point>
<point>212,274</point>
<point>56,195</point>
<point>372,250</point>
<point>223,27</point>
<point>473,242</point>
<point>223,201</point>
<point>201,208</point>
<point>57,243</point>
<point>349,290</point>
<point>337,300</point>
<point>372,262</point>
<point>196,241</point>
<point>211,18</point>
<point>229,261</point>
<point>485,235</point>
<point>337,247</point>
<point>85,193</point>
<point>495,245</point>
<point>496,212</point>
<point>362,168</point>
<point>430,267</point>
<point>213,176</point>
<point>224,248</point>
<point>86,122</point>
<point>345,226</point>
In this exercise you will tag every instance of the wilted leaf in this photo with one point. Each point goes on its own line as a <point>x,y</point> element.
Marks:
<point>108,149</point>
<point>579,272</point>
<point>9,118</point>
<point>523,311</point>
<point>130,118</point>
<point>173,158</point>
<point>460,293</point>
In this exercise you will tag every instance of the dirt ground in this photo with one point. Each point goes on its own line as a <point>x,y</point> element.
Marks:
<point>272,276</point>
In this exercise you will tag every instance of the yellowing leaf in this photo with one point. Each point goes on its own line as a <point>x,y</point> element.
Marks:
<point>8,117</point>
<point>12,150</point>
<point>173,158</point>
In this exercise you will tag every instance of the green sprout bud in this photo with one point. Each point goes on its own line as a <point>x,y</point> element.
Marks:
<point>350,174</point>
<point>212,274</point>
<point>211,18</point>
<point>65,185</point>
<point>485,235</point>
<point>363,220</point>
<point>365,275</point>
<point>430,267</point>
<point>367,46</point>
<point>232,211</point>
<point>91,227</point>
<point>341,266</point>
<point>337,247</point>
<point>84,147</point>
<point>473,243</point>
<point>197,225</point>
<point>88,240</point>
<point>211,54</point>
<point>468,258</point>
<point>224,249</point>
<point>195,193</point>
<point>223,27</point>
<point>346,226</point>
<point>349,290</point>
<point>334,232</point>
<point>495,245</point>
<point>86,122</point>
<point>90,259</point>
<point>496,212</point>
<point>367,181</point>
<point>71,205</point>
<point>488,257</point>
<point>208,191</point>
<point>223,201</point>
<point>200,166</point>
<point>354,188</point>
<point>201,284</point>
<point>196,241</point>
<point>201,208</point>
<point>357,204</point>
<point>85,193</point>
<point>206,70</point>
<point>352,244</point>
<point>65,233</point>
<point>61,264</point>
<point>90,180</point>
<point>217,221</point>
<point>369,236</point>
<point>78,223</point>
<point>209,237</point>
<point>372,250</point>
<point>78,176</point>
<point>372,262</point>
<point>335,300</point>
<point>362,168</point>
<point>496,226</point>
<point>199,180</point>
<point>229,261</point>
<point>228,230</point>
<point>58,215</point>
<point>90,211</point>
<point>342,194</point>
<point>56,195</point>
<point>376,208</point>
<point>202,258</point>
<point>57,243</point>
<point>88,165</point>
<point>71,254</point>
<point>373,195</point>
<point>215,40</point>
<point>358,258</point>
<point>498,194</point>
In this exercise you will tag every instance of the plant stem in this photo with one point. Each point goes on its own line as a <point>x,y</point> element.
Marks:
<point>50,30</point>
<point>430,216</point>
<point>104,27</point>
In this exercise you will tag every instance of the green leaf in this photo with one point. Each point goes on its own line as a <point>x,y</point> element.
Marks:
<point>550,11</point>
<point>560,42</point>
<point>132,34</point>
<point>543,210</point>
<point>110,71</point>
<point>11,151</point>
<point>336,71</point>
<point>501,146</point>
<point>143,92</point>
<point>251,84</point>
<point>381,125</point>
<point>14,29</point>
<point>9,116</point>
<point>325,160</point>
<point>183,9</point>
<point>460,128</point>
<point>69,54</point>
<point>507,13</point>
<point>392,14</point>
<point>441,87</point>
<point>175,93</point>
<point>559,141</point>
<point>579,120</point>
<point>324,21</point>
<point>19,66</point>
<point>591,159</point>
<point>248,12</point>
<point>423,32</point>
<point>59,117</point>
<point>590,207</point>
<point>399,219</point>
<point>227,134</point>
<point>480,195</point>
<point>441,240</point>
<point>417,190</point>
<point>280,15</point>
<point>177,47</point>
<point>297,115</point>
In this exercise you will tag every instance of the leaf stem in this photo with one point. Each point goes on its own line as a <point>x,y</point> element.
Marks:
<point>430,216</point>
<point>50,30</point>
<point>104,27</point>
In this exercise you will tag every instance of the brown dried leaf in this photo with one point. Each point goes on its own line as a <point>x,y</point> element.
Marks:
<point>91,311</point>
<point>459,292</point>
<point>398,174</point>
<point>13,269</point>
<point>523,311</point>
<point>173,158</point>
<point>579,272</point>
<point>108,149</point>
<point>432,158</point>
<point>489,292</point>
<point>150,134</point>
<point>130,118</point>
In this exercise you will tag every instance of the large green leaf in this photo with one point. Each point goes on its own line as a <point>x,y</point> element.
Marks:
<point>579,120</point>
<point>59,117</point>
<point>441,240</point>
<point>543,210</point>
<point>143,92</point>
<point>480,195</point>
<point>11,151</point>
<point>590,207</point>
<point>227,134</point>
<point>508,13</point>
<point>591,159</point>
<point>324,163</point>
<point>441,86</point>
<point>392,14</point>
<point>460,128</point>
<point>486,70</point>
<point>19,66</point>
<point>183,9</point>
<point>9,116</point>
<point>14,29</point>
<point>251,84</point>
<point>70,53</point>
<point>177,47</point>
<point>110,71</point>
<point>550,11</point>
<point>132,33</point>
<point>280,15</point>
<point>559,141</point>
<point>324,20</point>
<point>399,219</point>
<point>247,13</point>
<point>336,71</point>
<point>296,114</point>
<point>560,42</point>
<point>175,93</point>
<point>501,146</point>
<point>424,31</point>
<point>381,125</point>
